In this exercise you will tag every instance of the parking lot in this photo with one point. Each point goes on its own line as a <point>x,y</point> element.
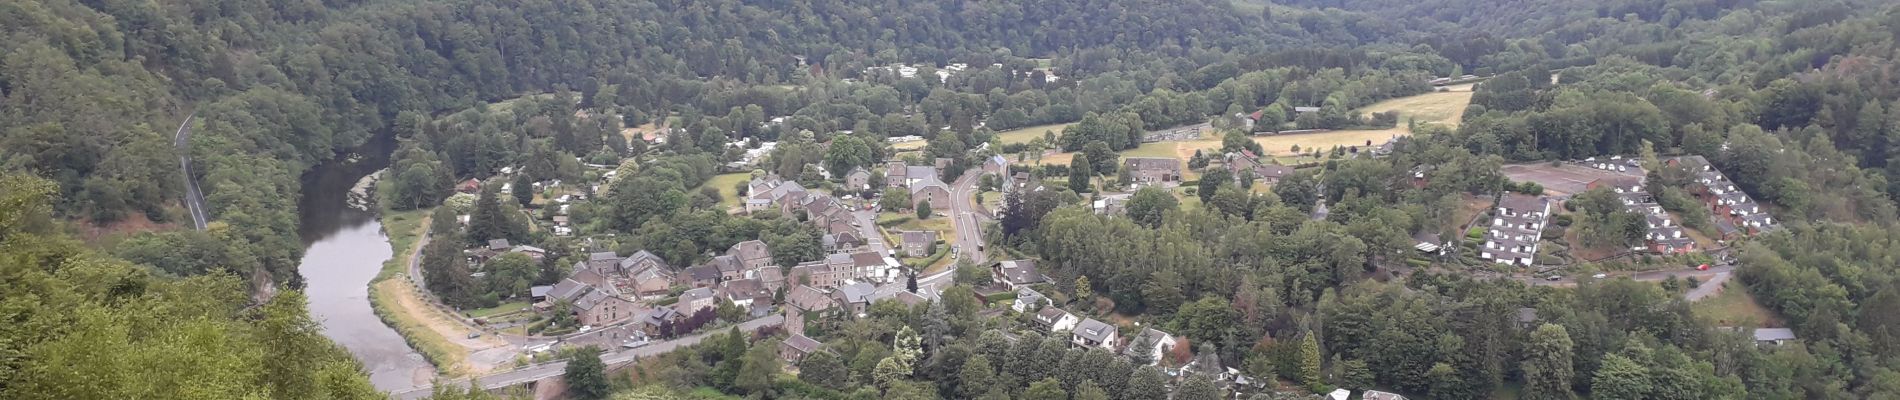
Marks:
<point>1564,179</point>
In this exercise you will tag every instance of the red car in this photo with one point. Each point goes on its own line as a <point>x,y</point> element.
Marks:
<point>1703,267</point>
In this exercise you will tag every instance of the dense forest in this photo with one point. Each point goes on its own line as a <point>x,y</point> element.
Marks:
<point>1795,100</point>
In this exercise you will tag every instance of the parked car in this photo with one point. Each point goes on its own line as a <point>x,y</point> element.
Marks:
<point>1553,278</point>
<point>1703,267</point>
<point>1600,276</point>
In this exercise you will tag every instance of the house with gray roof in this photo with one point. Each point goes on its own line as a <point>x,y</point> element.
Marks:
<point>603,261</point>
<point>1152,170</point>
<point>796,347</point>
<point>693,300</point>
<point>751,255</point>
<point>1773,336</point>
<point>810,300</point>
<point>1019,273</point>
<point>854,298</point>
<point>1151,344</point>
<point>1092,333</point>
<point>1028,300</point>
<point>918,244</point>
<point>1052,320</point>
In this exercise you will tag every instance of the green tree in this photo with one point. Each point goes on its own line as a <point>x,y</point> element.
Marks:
<point>1088,390</point>
<point>1198,387</point>
<point>923,209</point>
<point>1211,181</point>
<point>846,152</point>
<point>1101,158</point>
<point>1084,294</point>
<point>586,376</point>
<point>976,377</point>
<point>1147,383</point>
<point>894,198</point>
<point>1310,363</point>
<point>1163,292</point>
<point>1045,389</point>
<point>1620,377</point>
<point>824,369</point>
<point>1148,205</point>
<point>1354,374</point>
<point>761,363</point>
<point>522,189</point>
<point>1547,364</point>
<point>1080,172</point>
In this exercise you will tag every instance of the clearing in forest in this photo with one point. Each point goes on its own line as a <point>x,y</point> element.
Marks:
<point>1025,134</point>
<point>1447,107</point>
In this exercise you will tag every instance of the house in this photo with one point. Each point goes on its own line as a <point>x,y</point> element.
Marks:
<point>773,277</point>
<point>651,283</point>
<point>810,300</point>
<point>751,255</point>
<point>1018,273</point>
<point>769,190</point>
<point>745,293</point>
<point>539,293</point>
<point>653,322</point>
<point>1428,243</point>
<point>1516,227</point>
<point>933,191</point>
<point>693,300</point>
<point>470,186</point>
<point>795,348</point>
<point>854,298</point>
<point>1093,333</point>
<point>534,253</point>
<point>1246,161</point>
<point>919,244</point>
<point>1526,317</point>
<point>1027,299</point>
<point>1378,395</point>
<point>841,242</point>
<point>858,179</point>
<point>641,261</point>
<point>729,267</point>
<point>996,165</point>
<point>1152,170</point>
<point>1339,394</point>
<point>603,262</point>
<point>896,174</point>
<point>1018,181</point>
<point>591,297</point>
<point>1052,319</point>
<point>1773,336</point>
<point>1305,110</point>
<point>1112,203</point>
<point>700,276</point>
<point>1149,345</point>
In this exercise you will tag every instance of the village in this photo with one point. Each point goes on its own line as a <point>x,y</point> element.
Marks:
<point>903,231</point>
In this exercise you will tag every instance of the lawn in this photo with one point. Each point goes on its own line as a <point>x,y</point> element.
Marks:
<point>1159,149</point>
<point>1436,107</point>
<point>911,145</point>
<point>1735,307</point>
<point>1024,135</point>
<point>404,228</point>
<point>935,223</point>
<point>497,310</point>
<point>728,186</point>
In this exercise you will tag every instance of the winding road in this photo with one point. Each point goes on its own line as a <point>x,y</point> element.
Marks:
<point>194,199</point>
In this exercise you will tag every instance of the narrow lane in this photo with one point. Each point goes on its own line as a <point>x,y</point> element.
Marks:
<point>194,199</point>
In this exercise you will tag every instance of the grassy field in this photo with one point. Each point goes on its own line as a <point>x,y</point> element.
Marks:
<point>404,228</point>
<point>910,145</point>
<point>1161,149</point>
<point>1024,135</point>
<point>728,186</point>
<point>393,300</point>
<point>500,309</point>
<point>1446,107</point>
<point>1735,307</point>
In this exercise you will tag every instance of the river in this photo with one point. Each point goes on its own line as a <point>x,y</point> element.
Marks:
<point>343,250</point>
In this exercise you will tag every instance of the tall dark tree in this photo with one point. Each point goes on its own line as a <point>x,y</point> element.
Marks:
<point>586,375</point>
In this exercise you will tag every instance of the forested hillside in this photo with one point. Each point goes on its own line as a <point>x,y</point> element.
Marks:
<point>82,325</point>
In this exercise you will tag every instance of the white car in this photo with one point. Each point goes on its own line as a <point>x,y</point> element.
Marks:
<point>1600,276</point>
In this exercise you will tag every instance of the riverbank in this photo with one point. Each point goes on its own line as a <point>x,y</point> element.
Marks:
<point>388,291</point>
